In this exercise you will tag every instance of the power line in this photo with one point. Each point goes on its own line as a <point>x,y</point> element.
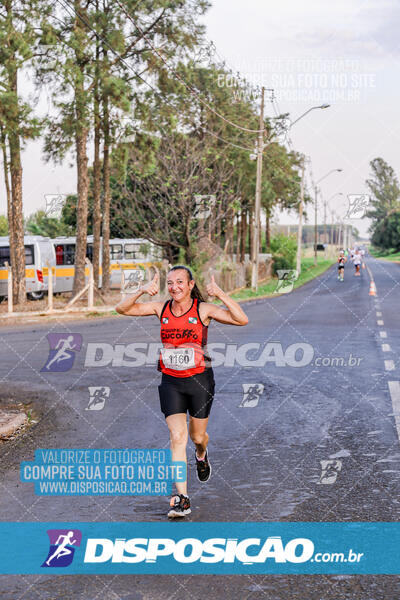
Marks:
<point>188,87</point>
<point>157,93</point>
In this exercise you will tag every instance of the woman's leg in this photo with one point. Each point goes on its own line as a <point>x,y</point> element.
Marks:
<point>178,434</point>
<point>199,435</point>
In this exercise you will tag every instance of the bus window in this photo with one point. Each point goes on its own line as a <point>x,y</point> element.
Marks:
<point>29,259</point>
<point>89,252</point>
<point>4,255</point>
<point>59,255</point>
<point>132,250</point>
<point>116,252</point>
<point>69,254</point>
<point>65,254</point>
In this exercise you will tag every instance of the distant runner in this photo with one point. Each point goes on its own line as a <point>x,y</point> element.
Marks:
<point>357,263</point>
<point>187,383</point>
<point>341,262</point>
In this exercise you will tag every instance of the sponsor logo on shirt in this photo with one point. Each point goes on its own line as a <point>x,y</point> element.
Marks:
<point>193,320</point>
<point>165,320</point>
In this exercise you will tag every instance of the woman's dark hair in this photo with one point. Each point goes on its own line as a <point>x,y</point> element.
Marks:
<point>195,293</point>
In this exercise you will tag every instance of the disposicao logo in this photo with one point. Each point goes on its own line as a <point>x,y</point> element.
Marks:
<point>62,351</point>
<point>63,543</point>
<point>191,550</point>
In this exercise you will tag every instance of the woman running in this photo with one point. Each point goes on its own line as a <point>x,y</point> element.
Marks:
<point>341,261</point>
<point>187,383</point>
<point>357,263</point>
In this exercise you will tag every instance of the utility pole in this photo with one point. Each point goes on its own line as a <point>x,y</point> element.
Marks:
<point>325,234</point>
<point>300,225</point>
<point>315,226</point>
<point>256,228</point>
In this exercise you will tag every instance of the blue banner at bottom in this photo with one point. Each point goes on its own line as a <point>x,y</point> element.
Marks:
<point>200,548</point>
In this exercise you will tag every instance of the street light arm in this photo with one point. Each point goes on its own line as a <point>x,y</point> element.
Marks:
<point>308,111</point>
<point>332,171</point>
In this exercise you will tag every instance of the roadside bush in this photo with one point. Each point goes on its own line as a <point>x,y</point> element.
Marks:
<point>283,249</point>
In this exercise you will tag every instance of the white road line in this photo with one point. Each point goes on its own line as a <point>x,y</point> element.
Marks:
<point>380,322</point>
<point>383,334</point>
<point>394,389</point>
<point>389,365</point>
<point>386,348</point>
<point>378,314</point>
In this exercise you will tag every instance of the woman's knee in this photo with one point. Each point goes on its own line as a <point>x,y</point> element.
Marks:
<point>178,437</point>
<point>198,437</point>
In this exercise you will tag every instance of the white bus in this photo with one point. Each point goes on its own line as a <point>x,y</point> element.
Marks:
<point>125,254</point>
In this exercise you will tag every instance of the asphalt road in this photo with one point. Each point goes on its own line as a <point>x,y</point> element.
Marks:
<point>266,455</point>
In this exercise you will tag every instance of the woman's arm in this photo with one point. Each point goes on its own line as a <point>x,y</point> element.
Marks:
<point>231,315</point>
<point>129,306</point>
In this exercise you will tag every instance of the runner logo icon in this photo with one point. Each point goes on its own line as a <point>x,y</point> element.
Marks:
<point>251,394</point>
<point>62,351</point>
<point>63,543</point>
<point>330,470</point>
<point>98,396</point>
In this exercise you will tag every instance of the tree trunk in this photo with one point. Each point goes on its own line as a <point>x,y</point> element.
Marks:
<point>229,230</point>
<point>243,234</point>
<point>96,173</point>
<point>106,197</point>
<point>17,249</point>
<point>10,216</point>
<point>251,231</point>
<point>81,135</point>
<point>218,229</point>
<point>268,229</point>
<point>238,236</point>
<point>82,210</point>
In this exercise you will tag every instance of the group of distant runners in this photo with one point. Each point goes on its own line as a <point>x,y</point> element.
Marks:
<point>356,255</point>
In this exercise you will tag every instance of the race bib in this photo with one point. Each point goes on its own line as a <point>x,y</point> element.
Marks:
<point>178,359</point>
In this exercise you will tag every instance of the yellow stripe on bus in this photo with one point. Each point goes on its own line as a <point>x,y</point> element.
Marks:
<point>60,271</point>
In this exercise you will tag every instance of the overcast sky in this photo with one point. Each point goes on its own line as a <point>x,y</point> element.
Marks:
<point>344,53</point>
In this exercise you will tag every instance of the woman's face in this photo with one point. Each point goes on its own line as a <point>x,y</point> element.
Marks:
<point>179,286</point>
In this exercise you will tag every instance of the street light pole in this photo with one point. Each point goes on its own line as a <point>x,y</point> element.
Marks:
<point>257,208</point>
<point>300,225</point>
<point>256,228</point>
<point>315,224</point>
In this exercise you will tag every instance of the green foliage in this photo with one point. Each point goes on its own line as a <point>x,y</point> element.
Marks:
<point>386,233</point>
<point>385,209</point>
<point>3,225</point>
<point>284,250</point>
<point>39,223</point>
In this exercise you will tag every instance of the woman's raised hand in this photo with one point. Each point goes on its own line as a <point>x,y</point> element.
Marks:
<point>152,288</point>
<point>213,289</point>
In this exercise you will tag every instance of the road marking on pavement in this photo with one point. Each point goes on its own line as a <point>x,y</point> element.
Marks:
<point>394,389</point>
<point>383,334</point>
<point>380,322</point>
<point>389,365</point>
<point>378,314</point>
<point>386,348</point>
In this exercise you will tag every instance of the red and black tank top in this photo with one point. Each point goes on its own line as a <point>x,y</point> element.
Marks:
<point>184,352</point>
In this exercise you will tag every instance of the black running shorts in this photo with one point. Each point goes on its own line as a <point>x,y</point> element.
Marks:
<point>181,394</point>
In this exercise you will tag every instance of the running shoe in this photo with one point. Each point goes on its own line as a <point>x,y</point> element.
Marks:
<point>180,506</point>
<point>203,468</point>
